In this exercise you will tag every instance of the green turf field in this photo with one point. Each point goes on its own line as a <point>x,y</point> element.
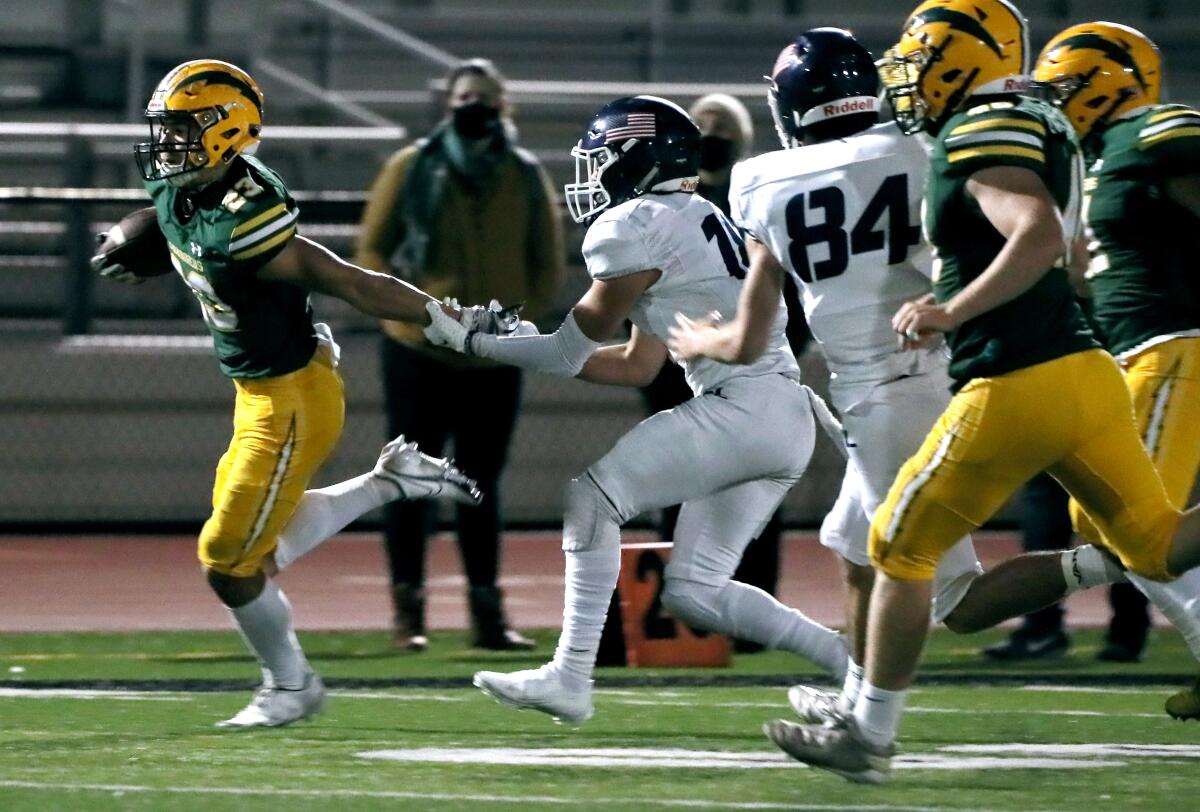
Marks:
<point>125,722</point>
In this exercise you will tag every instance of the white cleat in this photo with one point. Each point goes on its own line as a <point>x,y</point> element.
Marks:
<point>840,748</point>
<point>276,707</point>
<point>538,689</point>
<point>816,706</point>
<point>419,476</point>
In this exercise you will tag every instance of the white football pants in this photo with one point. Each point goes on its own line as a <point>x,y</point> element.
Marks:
<point>882,431</point>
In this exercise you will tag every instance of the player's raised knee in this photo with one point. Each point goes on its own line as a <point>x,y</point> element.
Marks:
<point>693,603</point>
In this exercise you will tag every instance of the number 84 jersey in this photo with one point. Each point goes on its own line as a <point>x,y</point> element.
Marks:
<point>702,259</point>
<point>843,218</point>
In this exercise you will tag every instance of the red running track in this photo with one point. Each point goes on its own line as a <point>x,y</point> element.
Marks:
<point>122,583</point>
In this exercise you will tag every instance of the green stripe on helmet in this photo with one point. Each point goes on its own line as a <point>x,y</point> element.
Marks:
<point>960,22</point>
<point>1110,49</point>
<point>222,78</point>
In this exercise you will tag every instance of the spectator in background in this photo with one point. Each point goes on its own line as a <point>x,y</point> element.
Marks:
<point>474,217</point>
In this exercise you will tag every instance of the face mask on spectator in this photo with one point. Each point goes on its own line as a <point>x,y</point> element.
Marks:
<point>476,120</point>
<point>715,153</point>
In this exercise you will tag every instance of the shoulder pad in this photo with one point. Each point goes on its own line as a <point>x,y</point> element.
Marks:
<point>264,215</point>
<point>1170,122</point>
<point>995,134</point>
<point>613,247</point>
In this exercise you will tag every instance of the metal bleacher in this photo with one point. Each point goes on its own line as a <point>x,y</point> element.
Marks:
<point>119,435</point>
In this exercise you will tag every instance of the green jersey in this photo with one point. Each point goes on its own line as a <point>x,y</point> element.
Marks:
<point>1144,245</point>
<point>219,237</point>
<point>1044,322</point>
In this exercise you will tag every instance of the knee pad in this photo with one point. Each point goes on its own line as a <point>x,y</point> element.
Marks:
<point>589,518</point>
<point>693,603</point>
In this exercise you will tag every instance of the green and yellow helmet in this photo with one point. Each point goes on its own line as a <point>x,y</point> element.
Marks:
<point>951,50</point>
<point>1100,72</point>
<point>202,115</point>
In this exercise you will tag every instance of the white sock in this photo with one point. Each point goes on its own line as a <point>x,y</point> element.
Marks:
<point>266,626</point>
<point>877,713</point>
<point>591,577</point>
<point>324,511</point>
<point>1085,567</point>
<point>751,614</point>
<point>852,686</point>
<point>1179,601</point>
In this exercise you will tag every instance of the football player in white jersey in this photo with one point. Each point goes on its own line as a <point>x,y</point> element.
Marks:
<point>730,455</point>
<point>841,215</point>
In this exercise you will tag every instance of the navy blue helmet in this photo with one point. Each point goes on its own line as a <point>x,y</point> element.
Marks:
<point>822,76</point>
<point>632,146</point>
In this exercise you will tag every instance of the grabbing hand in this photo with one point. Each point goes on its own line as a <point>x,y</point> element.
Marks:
<point>689,338</point>
<point>921,323</point>
<point>496,319</point>
<point>445,328</point>
<point>108,268</point>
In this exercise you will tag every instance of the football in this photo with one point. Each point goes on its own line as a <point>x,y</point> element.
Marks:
<point>137,243</point>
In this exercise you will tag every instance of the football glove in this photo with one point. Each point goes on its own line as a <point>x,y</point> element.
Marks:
<point>110,269</point>
<point>446,331</point>
<point>495,319</point>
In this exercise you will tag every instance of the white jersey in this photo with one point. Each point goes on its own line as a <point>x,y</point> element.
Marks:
<point>703,261</point>
<point>843,217</point>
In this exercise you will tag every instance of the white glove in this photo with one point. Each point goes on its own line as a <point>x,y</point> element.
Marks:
<point>446,331</point>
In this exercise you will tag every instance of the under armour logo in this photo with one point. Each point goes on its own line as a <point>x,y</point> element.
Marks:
<point>196,249</point>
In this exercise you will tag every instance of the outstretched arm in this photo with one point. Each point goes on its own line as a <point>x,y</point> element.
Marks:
<point>595,318</point>
<point>313,266</point>
<point>634,363</point>
<point>745,339</point>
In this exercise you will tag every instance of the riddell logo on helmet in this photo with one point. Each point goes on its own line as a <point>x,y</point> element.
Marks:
<point>856,105</point>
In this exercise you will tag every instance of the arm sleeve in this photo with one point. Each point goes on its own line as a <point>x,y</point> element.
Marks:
<point>614,248</point>
<point>1171,139</point>
<point>1008,137</point>
<point>380,230</point>
<point>562,353</point>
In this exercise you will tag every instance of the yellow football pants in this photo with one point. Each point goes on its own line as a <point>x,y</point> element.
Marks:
<point>1070,416</point>
<point>283,429</point>
<point>1164,381</point>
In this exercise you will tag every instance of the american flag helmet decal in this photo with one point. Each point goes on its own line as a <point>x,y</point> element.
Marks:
<point>637,125</point>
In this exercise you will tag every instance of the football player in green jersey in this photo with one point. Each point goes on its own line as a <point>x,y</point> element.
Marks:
<point>1142,213</point>
<point>1033,389</point>
<point>231,228</point>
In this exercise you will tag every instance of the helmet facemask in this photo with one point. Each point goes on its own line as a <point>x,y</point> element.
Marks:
<point>587,197</point>
<point>177,145</point>
<point>901,76</point>
<point>907,80</point>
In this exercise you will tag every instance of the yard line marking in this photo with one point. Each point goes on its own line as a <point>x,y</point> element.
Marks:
<point>676,803</point>
<point>398,697</point>
<point>614,696</point>
<point>74,693</point>
<point>671,758</point>
<point>1089,749</point>
<point>1088,689</point>
<point>913,709</point>
<point>1025,712</point>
